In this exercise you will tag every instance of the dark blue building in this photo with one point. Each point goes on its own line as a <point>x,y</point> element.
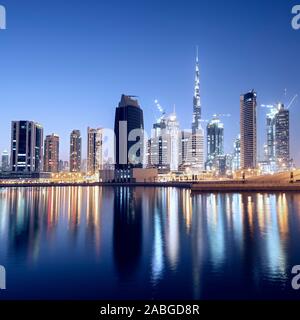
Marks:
<point>129,129</point>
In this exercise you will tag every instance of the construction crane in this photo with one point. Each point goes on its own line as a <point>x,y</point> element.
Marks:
<point>160,109</point>
<point>269,106</point>
<point>218,115</point>
<point>292,101</point>
<point>273,106</point>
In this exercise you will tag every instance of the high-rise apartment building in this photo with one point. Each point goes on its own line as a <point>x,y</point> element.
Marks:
<point>277,148</point>
<point>51,153</point>
<point>215,141</point>
<point>236,157</point>
<point>26,147</point>
<point>75,151</point>
<point>94,150</point>
<point>282,138</point>
<point>248,127</point>
<point>5,161</point>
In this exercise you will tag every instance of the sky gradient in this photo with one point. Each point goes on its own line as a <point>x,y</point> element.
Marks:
<point>66,63</point>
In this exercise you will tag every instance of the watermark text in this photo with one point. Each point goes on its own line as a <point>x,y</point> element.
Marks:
<point>2,17</point>
<point>2,278</point>
<point>296,18</point>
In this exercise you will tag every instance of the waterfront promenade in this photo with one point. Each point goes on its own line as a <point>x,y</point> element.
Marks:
<point>280,182</point>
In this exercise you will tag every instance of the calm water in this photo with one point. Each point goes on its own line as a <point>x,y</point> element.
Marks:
<point>147,243</point>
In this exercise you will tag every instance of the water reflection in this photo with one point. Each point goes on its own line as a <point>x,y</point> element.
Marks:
<point>127,230</point>
<point>154,242</point>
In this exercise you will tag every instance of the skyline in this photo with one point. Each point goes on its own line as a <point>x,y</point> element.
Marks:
<point>93,76</point>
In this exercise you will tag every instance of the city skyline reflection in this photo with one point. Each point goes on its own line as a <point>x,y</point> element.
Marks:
<point>151,242</point>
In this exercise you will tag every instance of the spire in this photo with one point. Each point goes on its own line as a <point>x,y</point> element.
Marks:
<point>196,99</point>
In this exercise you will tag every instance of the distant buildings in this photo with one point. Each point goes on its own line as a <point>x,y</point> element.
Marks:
<point>129,126</point>
<point>236,156</point>
<point>64,166</point>
<point>248,128</point>
<point>75,151</point>
<point>51,153</point>
<point>26,147</point>
<point>159,147</point>
<point>5,161</point>
<point>94,150</point>
<point>184,146</point>
<point>165,144</point>
<point>215,141</point>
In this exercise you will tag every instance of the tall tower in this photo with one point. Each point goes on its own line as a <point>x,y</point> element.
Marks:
<point>94,150</point>
<point>75,151</point>
<point>196,99</point>
<point>196,141</point>
<point>26,147</point>
<point>248,103</point>
<point>215,140</point>
<point>51,153</point>
<point>129,131</point>
<point>282,138</point>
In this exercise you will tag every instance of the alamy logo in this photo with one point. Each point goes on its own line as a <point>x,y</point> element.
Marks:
<point>2,278</point>
<point>2,18</point>
<point>296,18</point>
<point>296,278</point>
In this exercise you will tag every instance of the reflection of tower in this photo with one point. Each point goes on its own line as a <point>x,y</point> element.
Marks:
<point>172,230</point>
<point>93,216</point>
<point>127,233</point>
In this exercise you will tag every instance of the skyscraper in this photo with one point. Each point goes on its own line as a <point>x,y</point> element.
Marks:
<point>196,147</point>
<point>215,141</point>
<point>94,150</point>
<point>75,151</point>
<point>282,138</point>
<point>165,144</point>
<point>129,132</point>
<point>173,132</point>
<point>159,147</point>
<point>5,161</point>
<point>196,99</point>
<point>51,153</point>
<point>184,140</point>
<point>26,147</point>
<point>248,103</point>
<point>278,140</point>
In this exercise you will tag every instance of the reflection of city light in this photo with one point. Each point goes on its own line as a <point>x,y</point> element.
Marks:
<point>172,228</point>
<point>157,255</point>
<point>187,208</point>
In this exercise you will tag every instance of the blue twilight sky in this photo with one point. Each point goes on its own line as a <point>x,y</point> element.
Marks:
<point>65,63</point>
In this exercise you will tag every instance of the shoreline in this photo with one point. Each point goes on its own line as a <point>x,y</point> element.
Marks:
<point>227,186</point>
